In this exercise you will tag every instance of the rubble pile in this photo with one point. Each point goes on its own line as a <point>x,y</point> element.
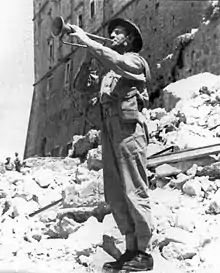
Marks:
<point>78,232</point>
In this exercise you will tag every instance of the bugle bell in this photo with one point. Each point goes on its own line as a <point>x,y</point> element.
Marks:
<point>60,28</point>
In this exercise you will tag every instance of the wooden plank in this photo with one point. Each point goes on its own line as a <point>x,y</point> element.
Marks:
<point>46,207</point>
<point>183,155</point>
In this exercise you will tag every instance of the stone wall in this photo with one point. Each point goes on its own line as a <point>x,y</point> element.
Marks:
<point>57,110</point>
<point>195,52</point>
<point>202,54</point>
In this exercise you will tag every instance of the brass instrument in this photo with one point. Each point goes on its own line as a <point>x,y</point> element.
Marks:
<point>60,28</point>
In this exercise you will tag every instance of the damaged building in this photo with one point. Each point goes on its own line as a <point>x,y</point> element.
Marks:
<point>53,211</point>
<point>57,113</point>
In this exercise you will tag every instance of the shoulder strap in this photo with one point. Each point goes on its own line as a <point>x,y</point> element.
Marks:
<point>146,70</point>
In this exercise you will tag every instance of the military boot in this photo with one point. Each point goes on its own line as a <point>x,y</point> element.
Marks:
<point>140,262</point>
<point>117,265</point>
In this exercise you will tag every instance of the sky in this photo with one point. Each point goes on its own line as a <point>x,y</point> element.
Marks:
<point>16,74</point>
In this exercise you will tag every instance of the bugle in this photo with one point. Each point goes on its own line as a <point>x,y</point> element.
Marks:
<point>60,28</point>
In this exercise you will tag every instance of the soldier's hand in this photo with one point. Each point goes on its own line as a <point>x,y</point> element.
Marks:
<point>78,32</point>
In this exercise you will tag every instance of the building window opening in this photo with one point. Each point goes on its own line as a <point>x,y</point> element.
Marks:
<point>51,50</point>
<point>80,20</point>
<point>67,73</point>
<point>92,8</point>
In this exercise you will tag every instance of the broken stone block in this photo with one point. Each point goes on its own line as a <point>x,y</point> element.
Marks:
<point>195,136</point>
<point>185,219</point>
<point>89,194</point>
<point>154,148</point>
<point>213,171</point>
<point>67,226</point>
<point>25,171</point>
<point>157,113</point>
<point>186,89</point>
<point>30,187</point>
<point>13,177</point>
<point>3,194</point>
<point>70,153</point>
<point>79,215</point>
<point>166,170</point>
<point>91,231</point>
<point>179,235</point>
<point>70,196</point>
<point>217,183</point>
<point>192,188</point>
<point>79,148</point>
<point>82,175</point>
<point>84,260</point>
<point>5,205</point>
<point>180,181</point>
<point>152,126</point>
<point>170,120</point>
<point>207,185</point>
<point>163,265</point>
<point>47,197</point>
<point>35,230</point>
<point>94,159</point>
<point>48,216</point>
<point>62,228</point>
<point>162,217</point>
<point>94,187</point>
<point>83,144</point>
<point>213,121</point>
<point>217,131</point>
<point>178,251</point>
<point>22,207</point>
<point>192,171</point>
<point>208,255</point>
<point>162,182</point>
<point>214,206</point>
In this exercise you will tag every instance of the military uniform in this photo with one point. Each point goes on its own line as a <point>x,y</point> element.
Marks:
<point>123,95</point>
<point>124,148</point>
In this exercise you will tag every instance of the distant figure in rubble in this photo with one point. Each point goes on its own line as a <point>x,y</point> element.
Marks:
<point>122,97</point>
<point>17,163</point>
<point>9,166</point>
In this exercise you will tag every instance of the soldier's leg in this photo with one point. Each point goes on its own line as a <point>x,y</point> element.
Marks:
<point>114,190</point>
<point>132,165</point>
<point>114,195</point>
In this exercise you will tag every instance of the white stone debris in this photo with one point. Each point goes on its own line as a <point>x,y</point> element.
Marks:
<point>79,232</point>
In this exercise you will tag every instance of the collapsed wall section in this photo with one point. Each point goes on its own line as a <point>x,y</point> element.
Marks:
<point>195,52</point>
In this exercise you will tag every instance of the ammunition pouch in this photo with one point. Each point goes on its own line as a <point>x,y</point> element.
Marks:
<point>128,109</point>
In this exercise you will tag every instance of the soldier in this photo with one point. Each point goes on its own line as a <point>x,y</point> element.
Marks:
<point>9,166</point>
<point>122,97</point>
<point>17,163</point>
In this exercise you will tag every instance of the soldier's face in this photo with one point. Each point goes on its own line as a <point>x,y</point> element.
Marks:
<point>118,36</point>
